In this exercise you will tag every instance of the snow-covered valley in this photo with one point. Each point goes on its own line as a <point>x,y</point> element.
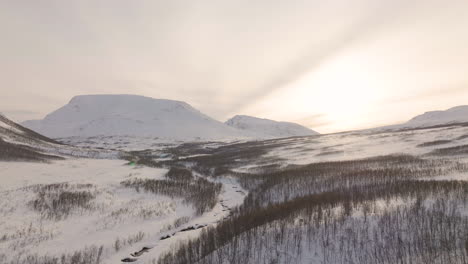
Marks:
<point>111,199</point>
<point>234,132</point>
<point>38,222</point>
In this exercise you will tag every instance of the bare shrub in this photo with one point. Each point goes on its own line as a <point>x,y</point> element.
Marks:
<point>120,243</point>
<point>57,201</point>
<point>177,223</point>
<point>452,151</point>
<point>89,255</point>
<point>462,137</point>
<point>201,193</point>
<point>179,174</point>
<point>434,143</point>
<point>328,153</point>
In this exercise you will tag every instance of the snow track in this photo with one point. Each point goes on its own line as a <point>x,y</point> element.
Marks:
<point>233,195</point>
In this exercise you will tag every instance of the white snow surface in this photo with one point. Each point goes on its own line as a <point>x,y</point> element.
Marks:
<point>93,115</point>
<point>116,212</point>
<point>453,115</point>
<point>360,145</point>
<point>265,128</point>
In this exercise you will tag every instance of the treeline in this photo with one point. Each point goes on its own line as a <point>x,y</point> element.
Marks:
<point>418,222</point>
<point>375,210</point>
<point>89,255</point>
<point>219,161</point>
<point>180,183</point>
<point>298,181</point>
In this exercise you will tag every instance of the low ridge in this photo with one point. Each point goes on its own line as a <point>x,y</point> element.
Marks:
<point>268,128</point>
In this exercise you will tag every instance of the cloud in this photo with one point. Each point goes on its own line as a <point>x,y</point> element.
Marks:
<point>363,28</point>
<point>220,56</point>
<point>316,121</point>
<point>449,90</point>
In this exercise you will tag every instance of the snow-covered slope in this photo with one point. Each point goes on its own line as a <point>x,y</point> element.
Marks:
<point>21,144</point>
<point>268,128</point>
<point>458,114</point>
<point>18,143</point>
<point>15,133</point>
<point>116,115</point>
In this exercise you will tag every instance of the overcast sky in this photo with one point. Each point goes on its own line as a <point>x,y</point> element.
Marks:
<point>331,65</point>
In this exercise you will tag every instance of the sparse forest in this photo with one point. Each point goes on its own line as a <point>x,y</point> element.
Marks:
<point>384,209</point>
<point>180,183</point>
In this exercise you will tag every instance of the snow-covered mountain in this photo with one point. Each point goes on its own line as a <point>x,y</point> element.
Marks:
<point>117,115</point>
<point>268,128</point>
<point>458,114</point>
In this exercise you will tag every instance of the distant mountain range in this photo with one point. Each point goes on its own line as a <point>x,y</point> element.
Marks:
<point>133,115</point>
<point>93,115</point>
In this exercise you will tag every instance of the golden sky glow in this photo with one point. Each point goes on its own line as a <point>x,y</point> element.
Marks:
<point>331,65</point>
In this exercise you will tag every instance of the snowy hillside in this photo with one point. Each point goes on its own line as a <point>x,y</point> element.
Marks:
<point>20,143</point>
<point>458,114</point>
<point>111,115</point>
<point>11,131</point>
<point>268,128</point>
